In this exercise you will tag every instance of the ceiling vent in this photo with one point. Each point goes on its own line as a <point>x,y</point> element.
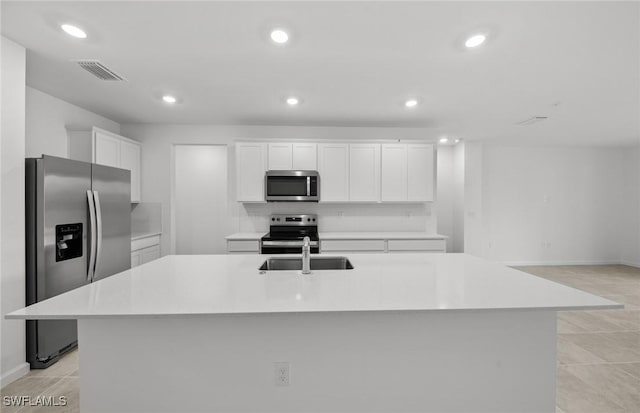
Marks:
<point>532,120</point>
<point>99,70</point>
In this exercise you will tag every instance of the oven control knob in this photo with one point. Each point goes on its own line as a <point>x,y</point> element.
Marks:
<point>314,220</point>
<point>278,219</point>
<point>273,219</point>
<point>308,219</point>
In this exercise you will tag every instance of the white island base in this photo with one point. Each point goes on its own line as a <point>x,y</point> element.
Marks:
<point>397,333</point>
<point>405,361</point>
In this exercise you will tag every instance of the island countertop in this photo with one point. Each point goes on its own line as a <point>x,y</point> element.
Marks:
<point>178,285</point>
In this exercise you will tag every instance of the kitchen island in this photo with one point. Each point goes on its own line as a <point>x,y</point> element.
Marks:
<point>398,333</point>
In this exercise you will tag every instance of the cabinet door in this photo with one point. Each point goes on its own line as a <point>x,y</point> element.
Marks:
<point>106,149</point>
<point>364,172</point>
<point>333,165</point>
<point>280,156</point>
<point>394,172</point>
<point>130,159</point>
<point>305,156</point>
<point>251,162</point>
<point>420,171</point>
<point>135,259</point>
<point>150,254</point>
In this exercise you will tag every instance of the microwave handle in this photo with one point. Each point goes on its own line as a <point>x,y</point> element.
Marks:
<point>308,186</point>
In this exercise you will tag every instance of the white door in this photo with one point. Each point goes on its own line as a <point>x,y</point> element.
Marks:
<point>305,156</point>
<point>106,150</point>
<point>280,156</point>
<point>364,172</point>
<point>333,166</point>
<point>420,172</point>
<point>251,164</point>
<point>200,199</point>
<point>130,159</point>
<point>394,172</point>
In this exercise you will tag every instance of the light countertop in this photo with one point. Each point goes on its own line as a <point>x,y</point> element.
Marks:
<point>347,235</point>
<point>140,235</point>
<point>246,236</point>
<point>231,284</point>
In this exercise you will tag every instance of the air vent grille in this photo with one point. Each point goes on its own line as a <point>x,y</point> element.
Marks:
<point>532,120</point>
<point>99,70</point>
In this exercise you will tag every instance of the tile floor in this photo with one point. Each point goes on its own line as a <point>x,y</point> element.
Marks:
<point>598,351</point>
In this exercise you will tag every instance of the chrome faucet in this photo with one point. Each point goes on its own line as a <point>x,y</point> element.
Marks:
<point>306,255</point>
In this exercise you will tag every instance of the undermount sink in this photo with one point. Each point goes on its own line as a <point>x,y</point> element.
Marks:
<point>317,263</point>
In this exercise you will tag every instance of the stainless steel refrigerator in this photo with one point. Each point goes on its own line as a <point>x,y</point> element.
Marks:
<point>78,231</point>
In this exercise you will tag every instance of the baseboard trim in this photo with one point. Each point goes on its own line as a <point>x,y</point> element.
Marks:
<point>14,374</point>
<point>631,263</point>
<point>544,263</point>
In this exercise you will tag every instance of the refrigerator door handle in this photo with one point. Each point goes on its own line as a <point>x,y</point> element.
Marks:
<point>99,227</point>
<point>92,224</point>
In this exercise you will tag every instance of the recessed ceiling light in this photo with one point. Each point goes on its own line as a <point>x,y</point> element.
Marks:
<point>74,31</point>
<point>292,101</point>
<point>411,103</point>
<point>475,40</point>
<point>169,99</point>
<point>279,36</point>
<point>457,140</point>
<point>444,140</point>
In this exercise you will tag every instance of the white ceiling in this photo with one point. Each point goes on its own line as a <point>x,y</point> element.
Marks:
<point>353,64</point>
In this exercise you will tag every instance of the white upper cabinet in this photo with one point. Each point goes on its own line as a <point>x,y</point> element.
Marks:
<point>408,172</point>
<point>293,156</point>
<point>364,172</point>
<point>349,172</point>
<point>130,159</point>
<point>394,172</point>
<point>106,148</point>
<point>333,166</point>
<point>109,149</point>
<point>251,165</point>
<point>420,172</point>
<point>280,156</point>
<point>305,156</point>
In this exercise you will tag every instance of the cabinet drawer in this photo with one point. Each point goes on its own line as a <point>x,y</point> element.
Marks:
<point>243,246</point>
<point>145,242</point>
<point>352,245</point>
<point>149,254</point>
<point>435,245</point>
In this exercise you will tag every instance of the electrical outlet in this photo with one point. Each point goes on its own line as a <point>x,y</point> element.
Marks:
<point>281,373</point>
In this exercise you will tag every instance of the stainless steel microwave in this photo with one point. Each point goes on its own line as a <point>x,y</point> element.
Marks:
<point>297,186</point>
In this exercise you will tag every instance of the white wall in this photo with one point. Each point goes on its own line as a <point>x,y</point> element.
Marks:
<point>47,117</point>
<point>548,205</point>
<point>458,198</point>
<point>630,236</point>
<point>157,175</point>
<point>445,193</point>
<point>450,195</point>
<point>12,248</point>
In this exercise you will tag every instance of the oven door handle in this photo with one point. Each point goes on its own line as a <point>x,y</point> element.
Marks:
<point>287,243</point>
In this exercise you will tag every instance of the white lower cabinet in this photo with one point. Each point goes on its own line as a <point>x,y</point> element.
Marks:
<point>243,246</point>
<point>417,245</point>
<point>382,245</point>
<point>348,245</point>
<point>144,250</point>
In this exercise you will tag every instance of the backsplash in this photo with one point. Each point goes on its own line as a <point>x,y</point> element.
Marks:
<point>343,217</point>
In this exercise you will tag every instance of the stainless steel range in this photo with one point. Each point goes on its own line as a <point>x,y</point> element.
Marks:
<point>286,234</point>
